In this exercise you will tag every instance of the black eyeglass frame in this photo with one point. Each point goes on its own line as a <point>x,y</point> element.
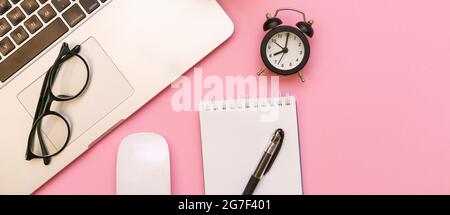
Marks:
<point>46,99</point>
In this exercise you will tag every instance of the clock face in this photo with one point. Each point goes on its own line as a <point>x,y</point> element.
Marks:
<point>285,50</point>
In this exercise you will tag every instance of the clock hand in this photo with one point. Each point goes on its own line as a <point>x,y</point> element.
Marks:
<point>281,58</point>
<point>278,44</point>
<point>282,51</point>
<point>287,39</point>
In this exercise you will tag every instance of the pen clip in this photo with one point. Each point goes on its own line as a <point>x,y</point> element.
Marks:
<point>275,154</point>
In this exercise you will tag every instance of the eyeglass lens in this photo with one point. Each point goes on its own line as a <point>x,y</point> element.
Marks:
<point>50,136</point>
<point>70,79</point>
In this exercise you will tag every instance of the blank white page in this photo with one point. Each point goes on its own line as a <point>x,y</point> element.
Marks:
<point>235,135</point>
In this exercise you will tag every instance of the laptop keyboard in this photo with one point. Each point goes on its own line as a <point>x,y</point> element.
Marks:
<point>28,27</point>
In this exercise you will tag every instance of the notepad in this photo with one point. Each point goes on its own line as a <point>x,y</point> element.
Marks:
<point>235,134</point>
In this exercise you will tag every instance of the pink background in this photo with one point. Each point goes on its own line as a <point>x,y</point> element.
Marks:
<point>374,112</point>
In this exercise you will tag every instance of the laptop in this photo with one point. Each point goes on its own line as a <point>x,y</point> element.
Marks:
<point>134,49</point>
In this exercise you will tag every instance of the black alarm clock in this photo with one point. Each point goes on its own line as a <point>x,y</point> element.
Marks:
<point>285,49</point>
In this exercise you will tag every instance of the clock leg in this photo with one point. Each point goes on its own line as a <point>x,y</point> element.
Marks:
<point>261,71</point>
<point>301,76</point>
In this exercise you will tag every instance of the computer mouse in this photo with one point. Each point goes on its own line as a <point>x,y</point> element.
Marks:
<point>143,165</point>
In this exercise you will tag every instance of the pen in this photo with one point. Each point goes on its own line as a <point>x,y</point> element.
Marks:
<point>266,161</point>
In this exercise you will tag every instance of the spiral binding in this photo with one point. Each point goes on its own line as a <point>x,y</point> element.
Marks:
<point>246,104</point>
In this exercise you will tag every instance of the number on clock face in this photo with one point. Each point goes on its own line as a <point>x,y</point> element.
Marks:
<point>285,51</point>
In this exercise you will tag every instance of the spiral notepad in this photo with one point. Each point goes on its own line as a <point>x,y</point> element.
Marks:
<point>235,134</point>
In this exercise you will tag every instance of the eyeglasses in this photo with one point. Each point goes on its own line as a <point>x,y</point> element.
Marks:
<point>66,80</point>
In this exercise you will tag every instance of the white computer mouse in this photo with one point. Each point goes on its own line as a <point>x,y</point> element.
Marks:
<point>143,165</point>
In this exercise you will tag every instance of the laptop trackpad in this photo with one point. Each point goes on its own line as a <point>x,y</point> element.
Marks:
<point>107,89</point>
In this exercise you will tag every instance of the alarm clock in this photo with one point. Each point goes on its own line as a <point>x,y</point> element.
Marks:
<point>285,49</point>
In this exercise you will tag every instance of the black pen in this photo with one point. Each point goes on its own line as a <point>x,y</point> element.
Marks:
<point>266,161</point>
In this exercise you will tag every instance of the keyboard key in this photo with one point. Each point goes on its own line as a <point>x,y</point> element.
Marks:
<point>32,48</point>
<point>19,35</point>
<point>33,24</point>
<point>47,13</point>
<point>5,27</point>
<point>15,16</point>
<point>6,46</point>
<point>43,1</point>
<point>89,5</point>
<point>4,6</point>
<point>29,6</point>
<point>73,15</point>
<point>15,1</point>
<point>60,5</point>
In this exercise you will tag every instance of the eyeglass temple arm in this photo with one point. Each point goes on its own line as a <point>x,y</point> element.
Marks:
<point>43,147</point>
<point>39,111</point>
